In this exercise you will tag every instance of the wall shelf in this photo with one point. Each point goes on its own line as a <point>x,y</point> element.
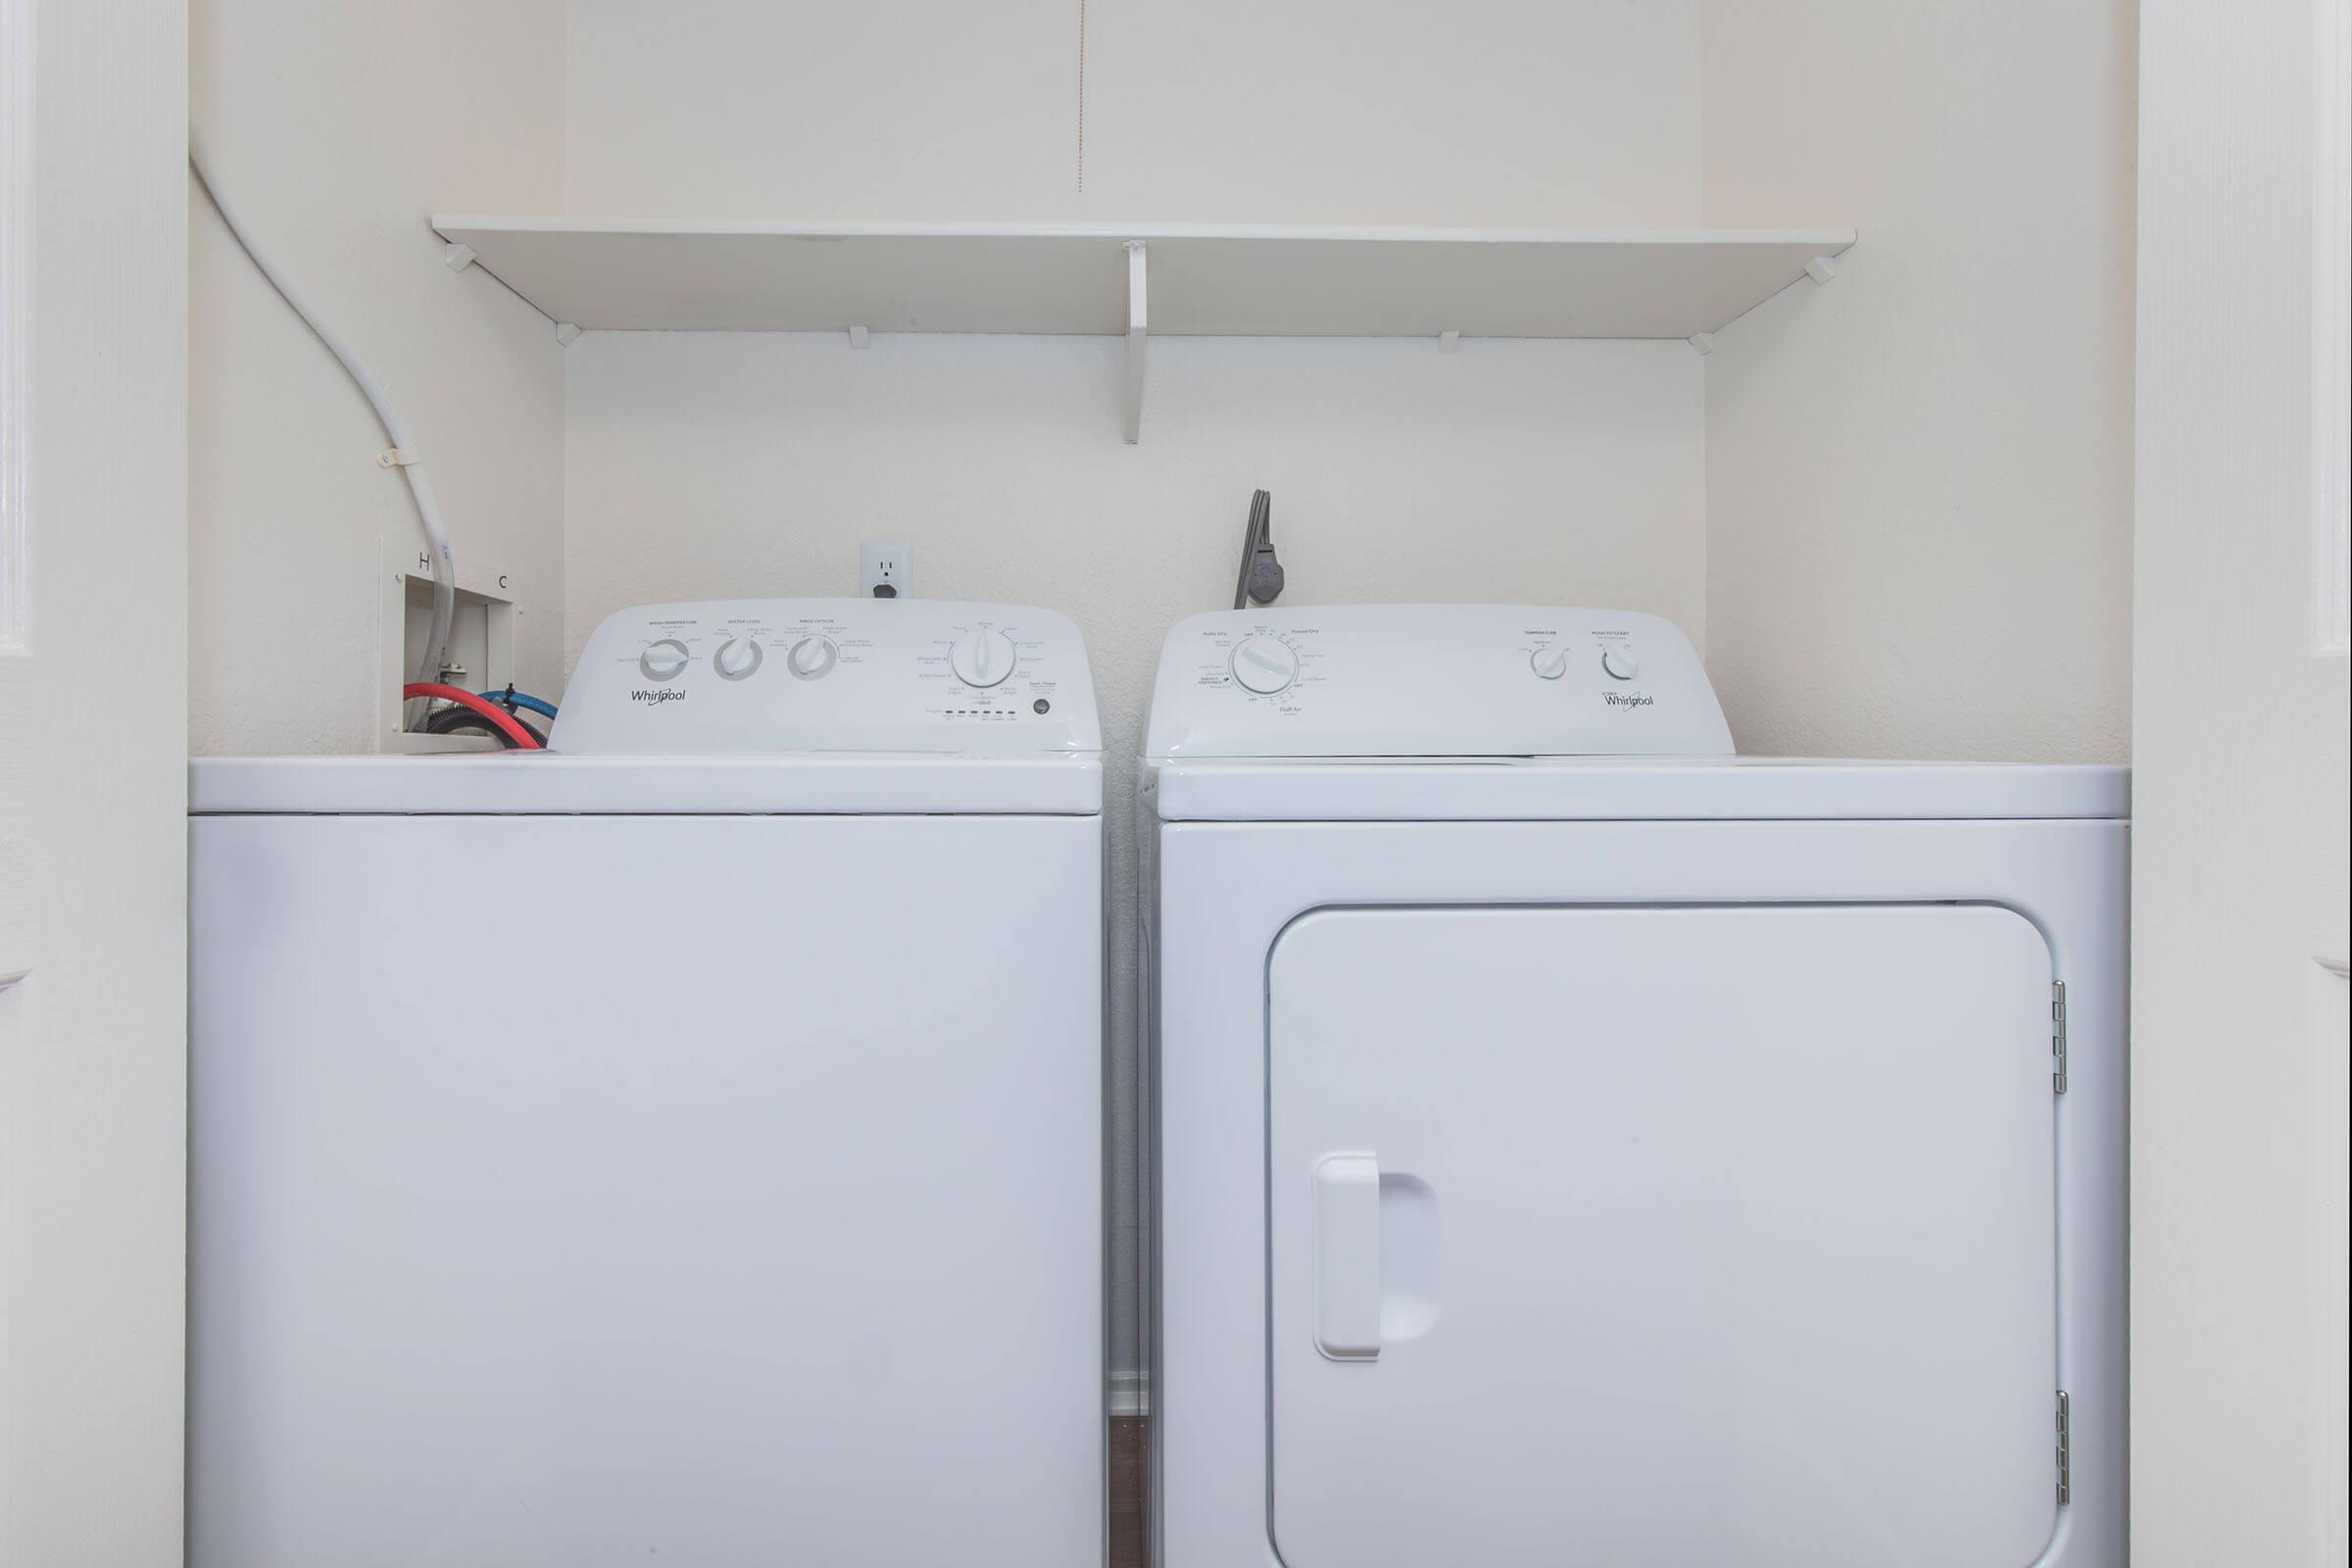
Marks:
<point>688,275</point>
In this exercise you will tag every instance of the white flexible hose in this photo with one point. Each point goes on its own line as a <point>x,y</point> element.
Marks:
<point>396,432</point>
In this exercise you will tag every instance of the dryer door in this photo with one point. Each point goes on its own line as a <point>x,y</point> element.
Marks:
<point>1661,1236</point>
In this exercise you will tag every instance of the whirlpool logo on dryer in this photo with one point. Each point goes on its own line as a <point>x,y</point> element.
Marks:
<point>656,695</point>
<point>1628,698</point>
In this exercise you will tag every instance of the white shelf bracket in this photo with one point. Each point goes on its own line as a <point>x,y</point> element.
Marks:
<point>1448,340</point>
<point>1820,269</point>
<point>858,335</point>
<point>455,257</point>
<point>1704,342</point>
<point>1138,341</point>
<point>566,333</point>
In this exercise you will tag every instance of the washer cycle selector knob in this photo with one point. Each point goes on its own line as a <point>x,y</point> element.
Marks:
<point>1549,663</point>
<point>983,659</point>
<point>1264,665</point>
<point>812,656</point>
<point>736,658</point>
<point>664,660</point>
<point>1619,661</point>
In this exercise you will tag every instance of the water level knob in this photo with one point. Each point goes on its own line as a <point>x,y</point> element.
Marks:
<point>736,658</point>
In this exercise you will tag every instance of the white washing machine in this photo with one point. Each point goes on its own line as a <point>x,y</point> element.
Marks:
<point>1579,1145</point>
<point>681,1146</point>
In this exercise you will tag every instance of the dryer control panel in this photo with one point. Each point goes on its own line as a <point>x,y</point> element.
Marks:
<point>1432,680</point>
<point>763,676</point>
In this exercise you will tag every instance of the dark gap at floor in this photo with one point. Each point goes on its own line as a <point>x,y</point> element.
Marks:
<point>1129,1471</point>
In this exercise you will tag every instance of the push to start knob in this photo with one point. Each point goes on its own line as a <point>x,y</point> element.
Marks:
<point>737,657</point>
<point>1620,663</point>
<point>983,659</point>
<point>664,660</point>
<point>1264,665</point>
<point>812,656</point>
<point>1548,663</point>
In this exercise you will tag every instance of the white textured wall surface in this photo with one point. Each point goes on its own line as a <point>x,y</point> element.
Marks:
<point>1919,477</point>
<point>1481,112</point>
<point>704,465</point>
<point>2238,1099</point>
<point>337,129</point>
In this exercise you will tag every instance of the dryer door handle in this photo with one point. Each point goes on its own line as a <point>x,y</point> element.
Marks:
<point>1346,1257</point>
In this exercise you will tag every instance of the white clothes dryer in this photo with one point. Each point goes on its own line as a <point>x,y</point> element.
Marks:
<point>681,1146</point>
<point>1576,1144</point>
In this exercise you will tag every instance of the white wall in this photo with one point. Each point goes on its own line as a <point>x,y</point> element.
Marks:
<point>1479,112</point>
<point>2239,1081</point>
<point>337,129</point>
<point>1919,477</point>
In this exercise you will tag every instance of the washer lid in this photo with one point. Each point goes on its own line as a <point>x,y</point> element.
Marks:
<point>1602,789</point>
<point>545,783</point>
<point>1432,680</point>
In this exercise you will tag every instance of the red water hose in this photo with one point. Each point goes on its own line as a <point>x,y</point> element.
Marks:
<point>497,715</point>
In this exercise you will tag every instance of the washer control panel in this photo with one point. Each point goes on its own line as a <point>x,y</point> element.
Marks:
<point>1432,680</point>
<point>761,676</point>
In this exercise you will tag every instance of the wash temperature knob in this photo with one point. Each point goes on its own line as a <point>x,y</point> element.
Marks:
<point>983,659</point>
<point>737,657</point>
<point>812,656</point>
<point>1549,663</point>
<point>1264,665</point>
<point>663,659</point>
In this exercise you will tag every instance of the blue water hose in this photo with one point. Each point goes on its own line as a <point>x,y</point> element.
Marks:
<point>510,698</point>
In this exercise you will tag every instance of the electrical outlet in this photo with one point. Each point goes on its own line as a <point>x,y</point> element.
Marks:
<point>885,568</point>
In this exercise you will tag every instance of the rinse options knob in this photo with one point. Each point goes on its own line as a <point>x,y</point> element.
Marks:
<point>1548,663</point>
<point>664,660</point>
<point>812,656</point>
<point>1264,665</point>
<point>984,657</point>
<point>737,657</point>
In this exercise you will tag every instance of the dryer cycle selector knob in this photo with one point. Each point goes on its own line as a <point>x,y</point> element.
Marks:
<point>736,658</point>
<point>813,657</point>
<point>1264,665</point>
<point>664,660</point>
<point>983,659</point>
<point>1548,663</point>
<point>1619,661</point>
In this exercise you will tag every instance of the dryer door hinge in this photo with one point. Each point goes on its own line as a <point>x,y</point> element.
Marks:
<point>2058,1036</point>
<point>2066,1452</point>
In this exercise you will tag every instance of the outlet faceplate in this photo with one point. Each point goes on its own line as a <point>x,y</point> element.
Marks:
<point>885,568</point>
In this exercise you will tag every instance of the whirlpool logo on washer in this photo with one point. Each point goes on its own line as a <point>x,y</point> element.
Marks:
<point>656,695</point>
<point>1628,698</point>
